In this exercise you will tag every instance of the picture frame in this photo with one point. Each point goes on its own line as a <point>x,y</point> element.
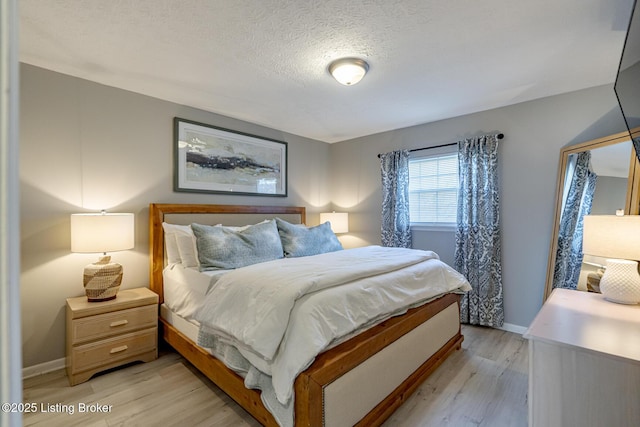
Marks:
<point>210,159</point>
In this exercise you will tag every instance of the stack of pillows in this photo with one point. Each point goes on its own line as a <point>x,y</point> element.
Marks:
<point>214,247</point>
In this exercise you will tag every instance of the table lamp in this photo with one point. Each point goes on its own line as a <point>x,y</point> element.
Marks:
<point>616,238</point>
<point>339,221</point>
<point>102,232</point>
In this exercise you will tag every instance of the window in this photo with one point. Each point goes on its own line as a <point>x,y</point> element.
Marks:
<point>433,189</point>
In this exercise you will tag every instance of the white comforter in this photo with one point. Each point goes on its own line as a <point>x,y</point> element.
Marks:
<point>283,313</point>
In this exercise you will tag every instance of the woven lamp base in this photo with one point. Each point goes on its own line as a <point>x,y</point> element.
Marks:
<point>102,279</point>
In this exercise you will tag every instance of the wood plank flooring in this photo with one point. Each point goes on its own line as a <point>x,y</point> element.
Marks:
<point>484,384</point>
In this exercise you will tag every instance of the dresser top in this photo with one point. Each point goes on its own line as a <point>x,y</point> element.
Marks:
<point>587,321</point>
<point>128,298</point>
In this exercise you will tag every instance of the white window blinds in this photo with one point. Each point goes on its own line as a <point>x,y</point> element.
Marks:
<point>433,189</point>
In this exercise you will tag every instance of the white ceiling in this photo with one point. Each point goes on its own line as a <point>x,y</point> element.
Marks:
<point>265,61</point>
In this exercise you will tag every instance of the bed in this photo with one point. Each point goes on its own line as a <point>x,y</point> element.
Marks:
<point>357,381</point>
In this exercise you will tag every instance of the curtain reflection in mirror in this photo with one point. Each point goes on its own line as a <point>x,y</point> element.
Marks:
<point>580,184</point>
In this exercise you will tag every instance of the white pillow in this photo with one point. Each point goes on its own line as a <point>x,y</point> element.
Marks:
<point>187,248</point>
<point>185,243</point>
<point>171,245</point>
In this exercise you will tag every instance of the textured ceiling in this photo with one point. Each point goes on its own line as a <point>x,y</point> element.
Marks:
<point>266,61</point>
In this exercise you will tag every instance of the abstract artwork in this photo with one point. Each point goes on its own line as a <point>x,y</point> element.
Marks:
<point>215,160</point>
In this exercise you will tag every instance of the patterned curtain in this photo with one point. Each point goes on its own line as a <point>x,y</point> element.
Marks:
<point>396,231</point>
<point>582,185</point>
<point>478,251</point>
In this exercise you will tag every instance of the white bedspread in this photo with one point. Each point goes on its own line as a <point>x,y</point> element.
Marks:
<point>287,311</point>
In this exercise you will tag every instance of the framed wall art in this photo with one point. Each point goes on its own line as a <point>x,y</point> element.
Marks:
<point>214,160</point>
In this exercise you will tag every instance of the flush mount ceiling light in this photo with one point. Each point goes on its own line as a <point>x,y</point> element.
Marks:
<point>348,71</point>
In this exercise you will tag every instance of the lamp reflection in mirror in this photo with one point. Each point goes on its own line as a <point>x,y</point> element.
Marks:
<point>616,238</point>
<point>339,221</point>
<point>102,232</point>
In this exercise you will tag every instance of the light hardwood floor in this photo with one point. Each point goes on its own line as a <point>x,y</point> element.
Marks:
<point>484,384</point>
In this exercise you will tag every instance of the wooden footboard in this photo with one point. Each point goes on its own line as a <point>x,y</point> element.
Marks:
<point>328,366</point>
<point>332,364</point>
<point>230,382</point>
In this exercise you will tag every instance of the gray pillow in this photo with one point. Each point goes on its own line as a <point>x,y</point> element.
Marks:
<point>222,248</point>
<point>299,240</point>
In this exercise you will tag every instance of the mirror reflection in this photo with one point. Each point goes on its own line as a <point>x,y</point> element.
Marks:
<point>596,177</point>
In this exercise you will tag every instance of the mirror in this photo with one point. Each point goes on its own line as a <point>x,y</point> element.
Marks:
<point>596,177</point>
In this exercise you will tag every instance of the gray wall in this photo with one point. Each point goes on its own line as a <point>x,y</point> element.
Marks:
<point>628,91</point>
<point>610,194</point>
<point>86,147</point>
<point>535,132</point>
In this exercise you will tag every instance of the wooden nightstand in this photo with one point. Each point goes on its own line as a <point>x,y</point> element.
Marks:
<point>103,335</point>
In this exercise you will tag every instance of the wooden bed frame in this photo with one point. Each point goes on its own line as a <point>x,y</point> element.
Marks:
<point>328,366</point>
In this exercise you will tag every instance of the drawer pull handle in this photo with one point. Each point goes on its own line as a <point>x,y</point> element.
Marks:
<point>119,323</point>
<point>118,349</point>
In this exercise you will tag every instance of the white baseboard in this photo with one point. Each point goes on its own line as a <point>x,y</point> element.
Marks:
<point>43,368</point>
<point>510,327</point>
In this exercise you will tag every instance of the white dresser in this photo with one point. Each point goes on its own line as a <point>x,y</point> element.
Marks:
<point>584,362</point>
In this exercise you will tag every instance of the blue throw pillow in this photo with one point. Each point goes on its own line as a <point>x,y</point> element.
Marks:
<point>299,240</point>
<point>222,248</point>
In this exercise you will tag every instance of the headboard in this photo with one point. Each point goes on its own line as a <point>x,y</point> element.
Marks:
<point>204,214</point>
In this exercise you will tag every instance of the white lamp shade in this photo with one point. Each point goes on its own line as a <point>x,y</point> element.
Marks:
<point>612,236</point>
<point>102,232</point>
<point>339,221</point>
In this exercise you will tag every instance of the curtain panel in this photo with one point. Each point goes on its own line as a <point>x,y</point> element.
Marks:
<point>396,226</point>
<point>478,240</point>
<point>578,202</point>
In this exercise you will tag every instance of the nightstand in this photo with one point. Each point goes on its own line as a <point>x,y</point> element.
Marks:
<point>104,335</point>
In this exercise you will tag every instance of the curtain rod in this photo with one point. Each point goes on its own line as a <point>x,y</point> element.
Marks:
<point>499,136</point>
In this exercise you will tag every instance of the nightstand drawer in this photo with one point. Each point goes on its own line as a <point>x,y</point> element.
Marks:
<point>111,350</point>
<point>109,324</point>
